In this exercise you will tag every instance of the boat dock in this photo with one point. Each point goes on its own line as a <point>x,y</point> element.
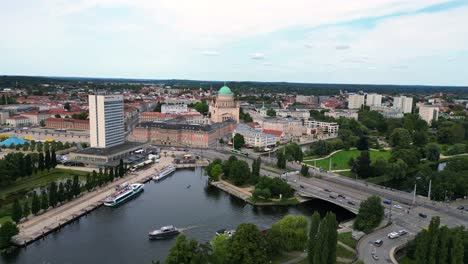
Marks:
<point>198,163</point>
<point>54,219</point>
<point>242,193</point>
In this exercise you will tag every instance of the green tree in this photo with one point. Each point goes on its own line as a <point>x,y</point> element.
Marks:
<point>47,160</point>
<point>281,160</point>
<point>53,159</point>
<point>184,251</point>
<point>201,107</point>
<point>370,214</point>
<point>363,143</point>
<point>292,232</point>
<point>420,138</point>
<point>40,161</point>
<point>432,152</point>
<point>88,184</point>
<point>238,141</point>
<point>216,171</point>
<point>67,106</point>
<point>121,169</point>
<point>111,174</point>
<point>313,245</point>
<point>61,193</point>
<point>271,112</point>
<point>305,170</point>
<point>36,204</point>
<point>239,172</point>
<point>53,199</point>
<point>44,200</point>
<point>220,245</point>
<point>26,209</point>
<point>7,231</point>
<point>68,190</point>
<point>362,165</point>
<point>17,211</point>
<point>248,245</point>
<point>158,107</point>
<point>400,137</point>
<point>28,165</point>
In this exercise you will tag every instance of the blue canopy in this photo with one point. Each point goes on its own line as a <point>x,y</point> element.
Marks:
<point>12,140</point>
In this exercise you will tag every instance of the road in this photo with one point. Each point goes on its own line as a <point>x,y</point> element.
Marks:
<point>342,190</point>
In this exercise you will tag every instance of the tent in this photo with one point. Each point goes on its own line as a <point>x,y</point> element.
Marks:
<point>12,140</point>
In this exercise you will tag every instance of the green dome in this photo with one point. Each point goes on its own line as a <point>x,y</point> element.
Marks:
<point>225,90</point>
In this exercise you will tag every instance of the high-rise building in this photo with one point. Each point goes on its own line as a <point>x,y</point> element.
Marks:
<point>374,99</point>
<point>429,113</point>
<point>403,103</point>
<point>106,120</point>
<point>355,101</point>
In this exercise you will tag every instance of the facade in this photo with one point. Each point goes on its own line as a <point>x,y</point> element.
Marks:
<point>388,112</point>
<point>289,126</point>
<point>106,119</point>
<point>306,99</point>
<point>345,113</point>
<point>255,138</point>
<point>224,107</point>
<point>107,156</point>
<point>174,108</point>
<point>298,113</point>
<point>16,121</point>
<point>355,101</point>
<point>182,135</point>
<point>327,127</point>
<point>190,117</point>
<point>405,104</point>
<point>35,118</point>
<point>429,113</point>
<point>374,99</point>
<point>67,123</point>
<point>3,116</point>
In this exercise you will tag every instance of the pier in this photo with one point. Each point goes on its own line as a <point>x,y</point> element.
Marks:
<point>54,219</point>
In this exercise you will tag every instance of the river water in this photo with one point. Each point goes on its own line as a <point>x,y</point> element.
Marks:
<point>119,235</point>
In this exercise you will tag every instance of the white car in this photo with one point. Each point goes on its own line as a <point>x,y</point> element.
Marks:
<point>397,206</point>
<point>393,235</point>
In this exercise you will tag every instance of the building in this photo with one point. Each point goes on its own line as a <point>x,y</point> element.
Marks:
<point>290,126</point>
<point>429,113</point>
<point>110,156</point>
<point>403,103</point>
<point>388,112</point>
<point>255,138</point>
<point>374,99</point>
<point>298,113</point>
<point>106,120</point>
<point>355,101</point>
<point>182,135</point>
<point>4,114</point>
<point>35,118</point>
<point>16,121</point>
<point>224,107</point>
<point>174,108</point>
<point>324,127</point>
<point>350,114</point>
<point>306,99</point>
<point>189,117</point>
<point>67,123</point>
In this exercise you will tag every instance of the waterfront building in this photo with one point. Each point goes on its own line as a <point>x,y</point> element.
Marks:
<point>355,101</point>
<point>429,113</point>
<point>224,107</point>
<point>405,104</point>
<point>374,99</point>
<point>106,119</point>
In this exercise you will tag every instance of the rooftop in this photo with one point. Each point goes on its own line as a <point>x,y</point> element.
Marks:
<point>178,126</point>
<point>111,150</point>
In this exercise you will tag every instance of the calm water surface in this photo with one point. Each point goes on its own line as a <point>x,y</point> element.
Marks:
<point>119,235</point>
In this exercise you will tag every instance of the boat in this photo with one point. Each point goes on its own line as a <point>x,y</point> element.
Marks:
<point>123,193</point>
<point>164,232</point>
<point>164,172</point>
<point>229,233</point>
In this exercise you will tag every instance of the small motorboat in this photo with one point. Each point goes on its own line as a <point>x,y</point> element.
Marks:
<point>164,232</point>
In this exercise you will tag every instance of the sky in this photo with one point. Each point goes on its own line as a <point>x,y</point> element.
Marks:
<point>422,42</point>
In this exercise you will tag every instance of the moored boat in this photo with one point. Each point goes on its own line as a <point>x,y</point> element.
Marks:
<point>164,172</point>
<point>164,232</point>
<point>124,193</point>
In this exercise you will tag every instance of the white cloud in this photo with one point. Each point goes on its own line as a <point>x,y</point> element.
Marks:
<point>210,53</point>
<point>257,56</point>
<point>342,47</point>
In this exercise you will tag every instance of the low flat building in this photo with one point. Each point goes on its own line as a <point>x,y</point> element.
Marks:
<point>254,137</point>
<point>109,156</point>
<point>319,126</point>
<point>67,123</point>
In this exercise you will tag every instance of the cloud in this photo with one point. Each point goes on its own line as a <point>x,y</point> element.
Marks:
<point>257,56</point>
<point>309,45</point>
<point>210,53</point>
<point>342,47</point>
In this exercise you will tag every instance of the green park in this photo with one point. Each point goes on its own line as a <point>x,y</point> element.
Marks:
<point>340,159</point>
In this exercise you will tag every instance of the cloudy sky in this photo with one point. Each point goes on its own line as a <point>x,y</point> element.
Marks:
<point>333,41</point>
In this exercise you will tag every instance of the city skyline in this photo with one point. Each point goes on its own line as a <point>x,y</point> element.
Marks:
<point>385,42</point>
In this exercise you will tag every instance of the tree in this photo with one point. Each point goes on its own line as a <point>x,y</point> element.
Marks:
<point>88,185</point>
<point>121,169</point>
<point>53,159</point>
<point>432,152</point>
<point>36,204</point>
<point>313,245</point>
<point>220,245</point>
<point>363,143</point>
<point>44,200</point>
<point>40,161</point>
<point>61,193</point>
<point>28,165</point>
<point>238,141</point>
<point>305,170</point>
<point>184,251</point>
<point>256,164</point>
<point>68,190</point>
<point>248,245</point>
<point>7,231</point>
<point>370,214</point>
<point>67,106</point>
<point>47,160</point>
<point>420,138</point>
<point>291,232</point>
<point>216,171</point>
<point>239,172</point>
<point>362,165</point>
<point>53,199</point>
<point>111,174</point>
<point>379,167</point>
<point>17,211</point>
<point>26,209</point>
<point>201,107</point>
<point>400,137</point>
<point>281,160</point>
<point>271,112</point>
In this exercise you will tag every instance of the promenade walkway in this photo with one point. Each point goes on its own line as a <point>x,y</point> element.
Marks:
<point>54,218</point>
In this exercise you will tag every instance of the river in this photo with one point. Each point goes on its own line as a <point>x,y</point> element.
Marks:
<point>119,235</point>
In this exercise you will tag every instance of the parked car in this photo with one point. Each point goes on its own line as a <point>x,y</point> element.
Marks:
<point>422,215</point>
<point>351,203</point>
<point>332,196</point>
<point>374,256</point>
<point>461,207</point>
<point>387,202</point>
<point>326,190</point>
<point>393,235</point>
<point>402,232</point>
<point>341,196</point>
<point>302,186</point>
<point>378,243</point>
<point>397,206</point>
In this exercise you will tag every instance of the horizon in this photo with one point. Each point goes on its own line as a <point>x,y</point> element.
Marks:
<point>388,42</point>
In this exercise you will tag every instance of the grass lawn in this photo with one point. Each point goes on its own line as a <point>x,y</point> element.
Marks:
<point>4,219</point>
<point>346,239</point>
<point>344,253</point>
<point>339,161</point>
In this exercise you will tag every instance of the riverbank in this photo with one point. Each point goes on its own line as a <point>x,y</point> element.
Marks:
<point>55,218</point>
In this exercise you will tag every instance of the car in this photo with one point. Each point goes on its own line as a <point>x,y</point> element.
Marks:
<point>402,232</point>
<point>374,256</point>
<point>351,203</point>
<point>378,243</point>
<point>393,235</point>
<point>341,196</point>
<point>302,186</point>
<point>332,196</point>
<point>422,215</point>
<point>461,207</point>
<point>387,202</point>
<point>326,190</point>
<point>397,206</point>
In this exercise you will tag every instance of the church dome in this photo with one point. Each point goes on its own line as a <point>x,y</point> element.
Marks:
<point>225,90</point>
